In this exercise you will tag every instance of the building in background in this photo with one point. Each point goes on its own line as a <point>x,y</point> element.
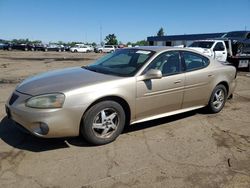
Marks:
<point>178,40</point>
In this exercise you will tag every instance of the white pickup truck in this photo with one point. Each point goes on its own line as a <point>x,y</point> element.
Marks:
<point>222,50</point>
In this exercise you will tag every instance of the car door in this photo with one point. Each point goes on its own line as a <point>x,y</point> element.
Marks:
<point>220,51</point>
<point>105,49</point>
<point>198,80</point>
<point>159,96</point>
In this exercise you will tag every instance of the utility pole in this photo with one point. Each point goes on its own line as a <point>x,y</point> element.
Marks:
<point>100,34</point>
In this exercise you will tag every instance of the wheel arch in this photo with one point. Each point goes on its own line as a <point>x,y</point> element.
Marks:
<point>224,83</point>
<point>117,99</point>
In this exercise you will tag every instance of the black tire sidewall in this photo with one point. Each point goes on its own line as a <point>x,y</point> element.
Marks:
<point>86,127</point>
<point>210,106</point>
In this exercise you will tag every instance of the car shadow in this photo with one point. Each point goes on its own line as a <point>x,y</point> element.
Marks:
<point>13,136</point>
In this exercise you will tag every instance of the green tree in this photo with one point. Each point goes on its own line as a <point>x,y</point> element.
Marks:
<point>111,39</point>
<point>20,41</point>
<point>160,32</point>
<point>141,43</point>
<point>129,43</point>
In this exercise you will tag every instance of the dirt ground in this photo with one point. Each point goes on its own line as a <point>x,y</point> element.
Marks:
<point>193,149</point>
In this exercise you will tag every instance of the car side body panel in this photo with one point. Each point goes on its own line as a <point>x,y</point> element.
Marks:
<point>159,96</point>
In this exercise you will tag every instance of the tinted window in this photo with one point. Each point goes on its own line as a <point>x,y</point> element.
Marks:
<point>194,61</point>
<point>168,63</point>
<point>219,47</point>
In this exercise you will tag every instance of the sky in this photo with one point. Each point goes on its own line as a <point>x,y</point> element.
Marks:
<point>129,20</point>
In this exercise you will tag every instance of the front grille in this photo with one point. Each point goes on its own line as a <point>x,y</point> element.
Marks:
<point>13,98</point>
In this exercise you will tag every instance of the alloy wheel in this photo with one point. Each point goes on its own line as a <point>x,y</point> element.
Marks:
<point>105,123</point>
<point>218,99</point>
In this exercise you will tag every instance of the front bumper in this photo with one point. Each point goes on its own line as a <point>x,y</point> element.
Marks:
<point>48,123</point>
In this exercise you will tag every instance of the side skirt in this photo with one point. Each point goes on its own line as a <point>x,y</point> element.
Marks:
<point>166,114</point>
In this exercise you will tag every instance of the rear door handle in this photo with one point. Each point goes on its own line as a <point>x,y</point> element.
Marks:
<point>210,75</point>
<point>177,81</point>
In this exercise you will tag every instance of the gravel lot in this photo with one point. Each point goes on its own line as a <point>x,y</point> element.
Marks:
<point>193,149</point>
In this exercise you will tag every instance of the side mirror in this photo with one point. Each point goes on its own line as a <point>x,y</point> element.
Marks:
<point>152,74</point>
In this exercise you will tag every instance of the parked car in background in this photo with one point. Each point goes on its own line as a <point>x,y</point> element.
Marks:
<point>54,47</point>
<point>80,48</point>
<point>2,46</point>
<point>105,49</point>
<point>40,47</point>
<point>14,46</point>
<point>91,48</point>
<point>128,86</point>
<point>67,48</point>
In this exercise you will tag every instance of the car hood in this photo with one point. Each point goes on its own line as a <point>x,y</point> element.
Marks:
<point>62,81</point>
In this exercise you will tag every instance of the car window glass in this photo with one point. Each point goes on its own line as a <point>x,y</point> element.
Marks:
<point>219,47</point>
<point>142,58</point>
<point>194,61</point>
<point>168,63</point>
<point>122,62</point>
<point>118,60</point>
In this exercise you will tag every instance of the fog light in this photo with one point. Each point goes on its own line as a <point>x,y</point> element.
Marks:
<point>44,128</point>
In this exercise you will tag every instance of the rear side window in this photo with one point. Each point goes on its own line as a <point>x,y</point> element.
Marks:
<point>219,47</point>
<point>194,61</point>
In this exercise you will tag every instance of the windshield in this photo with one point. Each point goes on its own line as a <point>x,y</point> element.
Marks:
<point>125,62</point>
<point>238,34</point>
<point>202,44</point>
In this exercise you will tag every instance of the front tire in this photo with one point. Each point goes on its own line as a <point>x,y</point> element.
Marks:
<point>217,99</point>
<point>103,123</point>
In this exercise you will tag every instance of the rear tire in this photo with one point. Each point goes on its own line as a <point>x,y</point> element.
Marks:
<point>103,123</point>
<point>217,99</point>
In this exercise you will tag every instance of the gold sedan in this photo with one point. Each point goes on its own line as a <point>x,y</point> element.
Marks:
<point>123,88</point>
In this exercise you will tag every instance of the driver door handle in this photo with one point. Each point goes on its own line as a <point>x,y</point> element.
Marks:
<point>177,81</point>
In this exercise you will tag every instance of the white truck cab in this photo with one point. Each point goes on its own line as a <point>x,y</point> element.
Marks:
<point>212,48</point>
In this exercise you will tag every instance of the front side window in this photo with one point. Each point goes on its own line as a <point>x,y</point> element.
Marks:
<point>125,62</point>
<point>194,61</point>
<point>168,63</point>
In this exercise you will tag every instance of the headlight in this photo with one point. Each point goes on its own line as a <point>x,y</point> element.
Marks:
<point>55,100</point>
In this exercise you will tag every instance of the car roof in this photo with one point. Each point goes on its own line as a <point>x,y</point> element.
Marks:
<point>159,49</point>
<point>164,48</point>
